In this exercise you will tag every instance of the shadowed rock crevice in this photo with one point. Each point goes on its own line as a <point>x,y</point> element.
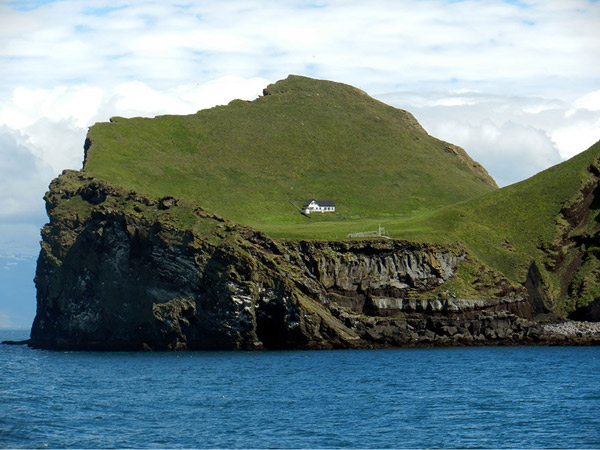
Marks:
<point>574,256</point>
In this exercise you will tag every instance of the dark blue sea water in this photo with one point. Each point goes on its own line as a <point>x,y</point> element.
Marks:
<point>526,397</point>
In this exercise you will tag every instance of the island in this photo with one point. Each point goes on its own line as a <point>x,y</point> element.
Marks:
<point>191,233</point>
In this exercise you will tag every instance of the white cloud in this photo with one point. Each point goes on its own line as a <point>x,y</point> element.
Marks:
<point>513,137</point>
<point>42,132</point>
<point>540,107</point>
<point>453,101</point>
<point>515,84</point>
<point>23,176</point>
<point>512,151</point>
<point>576,137</point>
<point>135,98</point>
<point>369,44</point>
<point>589,101</point>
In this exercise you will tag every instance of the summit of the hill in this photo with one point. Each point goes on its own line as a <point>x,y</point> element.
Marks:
<point>257,162</point>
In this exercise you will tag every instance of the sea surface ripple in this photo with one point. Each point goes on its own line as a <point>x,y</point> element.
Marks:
<point>491,397</point>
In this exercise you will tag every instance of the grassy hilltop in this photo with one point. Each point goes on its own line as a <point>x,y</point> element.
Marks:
<point>257,162</point>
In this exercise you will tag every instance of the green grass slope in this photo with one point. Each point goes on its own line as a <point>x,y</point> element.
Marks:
<point>258,162</point>
<point>551,218</point>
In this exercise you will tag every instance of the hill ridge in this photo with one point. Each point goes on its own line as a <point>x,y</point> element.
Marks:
<point>305,138</point>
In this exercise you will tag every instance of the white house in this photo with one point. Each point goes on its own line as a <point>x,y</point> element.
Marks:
<point>321,206</point>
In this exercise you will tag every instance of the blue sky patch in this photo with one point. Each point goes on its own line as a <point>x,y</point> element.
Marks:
<point>82,28</point>
<point>183,6</point>
<point>29,5</point>
<point>519,3</point>
<point>102,11</point>
<point>311,5</point>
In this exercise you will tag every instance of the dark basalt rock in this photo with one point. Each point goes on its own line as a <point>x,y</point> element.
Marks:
<point>23,342</point>
<point>117,271</point>
<point>590,312</point>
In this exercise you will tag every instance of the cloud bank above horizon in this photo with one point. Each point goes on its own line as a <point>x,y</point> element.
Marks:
<point>515,83</point>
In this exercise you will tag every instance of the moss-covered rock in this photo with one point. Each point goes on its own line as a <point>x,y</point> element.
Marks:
<point>119,271</point>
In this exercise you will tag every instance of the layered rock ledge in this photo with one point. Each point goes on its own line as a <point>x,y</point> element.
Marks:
<point>119,271</point>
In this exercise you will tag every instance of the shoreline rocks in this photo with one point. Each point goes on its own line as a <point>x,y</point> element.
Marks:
<point>572,329</point>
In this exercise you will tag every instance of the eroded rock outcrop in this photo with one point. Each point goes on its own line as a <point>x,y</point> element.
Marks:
<point>119,271</point>
<point>573,255</point>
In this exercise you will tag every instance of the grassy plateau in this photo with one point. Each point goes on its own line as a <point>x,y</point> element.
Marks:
<point>256,163</point>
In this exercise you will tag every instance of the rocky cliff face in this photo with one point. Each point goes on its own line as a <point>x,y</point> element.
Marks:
<point>573,254</point>
<point>118,271</point>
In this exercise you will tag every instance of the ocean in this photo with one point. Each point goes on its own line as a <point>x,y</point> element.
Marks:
<point>486,397</point>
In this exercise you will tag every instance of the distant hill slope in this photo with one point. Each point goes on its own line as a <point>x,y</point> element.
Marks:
<point>551,219</point>
<point>257,162</point>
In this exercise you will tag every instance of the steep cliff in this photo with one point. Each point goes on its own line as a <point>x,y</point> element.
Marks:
<point>184,232</point>
<point>118,271</point>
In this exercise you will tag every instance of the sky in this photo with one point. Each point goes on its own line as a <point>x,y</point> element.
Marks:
<point>516,83</point>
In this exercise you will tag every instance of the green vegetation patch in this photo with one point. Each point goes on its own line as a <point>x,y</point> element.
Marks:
<point>509,228</point>
<point>258,162</point>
